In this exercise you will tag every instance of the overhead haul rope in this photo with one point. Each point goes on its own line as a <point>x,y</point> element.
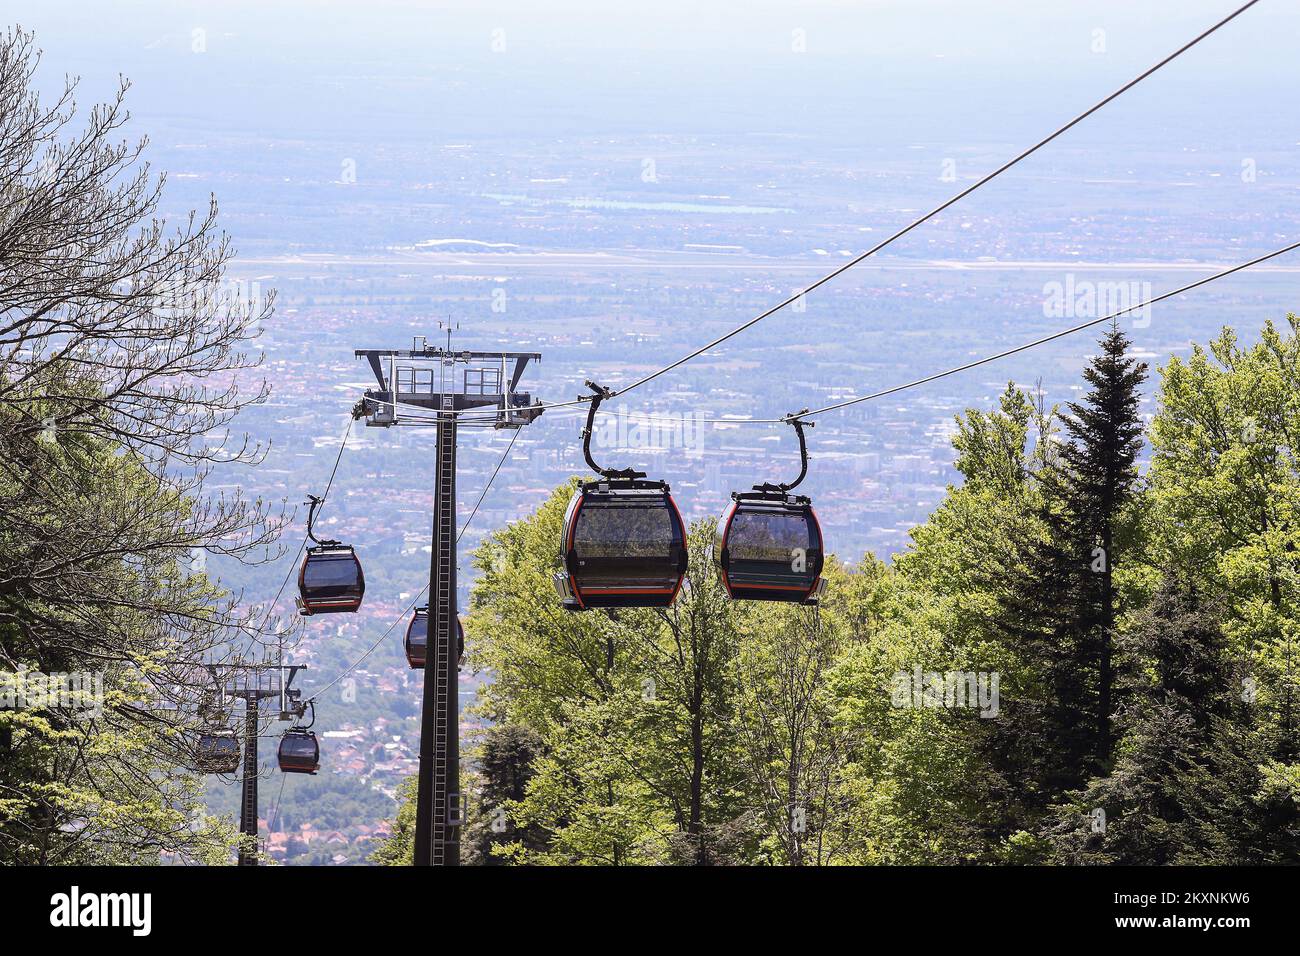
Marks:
<point>788,419</point>
<point>944,205</point>
<point>468,415</point>
<point>275,808</point>
<point>1060,333</point>
<point>1046,338</point>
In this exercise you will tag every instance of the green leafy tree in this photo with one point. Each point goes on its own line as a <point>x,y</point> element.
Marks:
<point>634,708</point>
<point>120,363</point>
<point>925,782</point>
<point>794,751</point>
<point>1225,499</point>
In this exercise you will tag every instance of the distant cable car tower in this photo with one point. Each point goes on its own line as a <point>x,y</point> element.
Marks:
<point>252,683</point>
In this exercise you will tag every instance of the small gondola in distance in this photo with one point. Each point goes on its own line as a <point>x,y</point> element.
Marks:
<point>331,580</point>
<point>417,639</point>
<point>218,751</point>
<point>299,751</point>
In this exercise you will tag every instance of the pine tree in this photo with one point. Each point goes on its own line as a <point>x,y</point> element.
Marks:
<point>506,766</point>
<point>1059,607</point>
<point>1099,477</point>
<point>1187,786</point>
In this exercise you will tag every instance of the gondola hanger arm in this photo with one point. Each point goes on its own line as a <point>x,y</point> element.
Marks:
<point>795,420</point>
<point>315,502</point>
<point>599,394</point>
<point>301,711</point>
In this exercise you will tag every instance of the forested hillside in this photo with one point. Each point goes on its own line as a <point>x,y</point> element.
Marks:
<point>1075,661</point>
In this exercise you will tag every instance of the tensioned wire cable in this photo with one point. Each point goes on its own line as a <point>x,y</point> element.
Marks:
<point>504,455</point>
<point>989,177</point>
<point>1046,338</point>
<point>424,590</point>
<point>275,807</point>
<point>949,202</point>
<point>975,363</point>
<point>468,415</point>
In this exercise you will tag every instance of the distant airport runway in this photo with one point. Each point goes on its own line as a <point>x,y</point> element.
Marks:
<point>495,263</point>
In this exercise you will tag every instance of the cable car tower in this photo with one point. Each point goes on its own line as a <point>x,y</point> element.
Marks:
<point>473,389</point>
<point>254,683</point>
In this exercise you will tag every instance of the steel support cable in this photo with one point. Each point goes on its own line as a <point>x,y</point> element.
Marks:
<point>1048,338</point>
<point>504,455</point>
<point>942,206</point>
<point>975,363</point>
<point>1205,280</point>
<point>275,808</point>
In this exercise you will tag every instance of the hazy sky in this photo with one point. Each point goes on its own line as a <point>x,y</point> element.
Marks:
<point>380,28</point>
<point>667,42</point>
<point>960,69</point>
